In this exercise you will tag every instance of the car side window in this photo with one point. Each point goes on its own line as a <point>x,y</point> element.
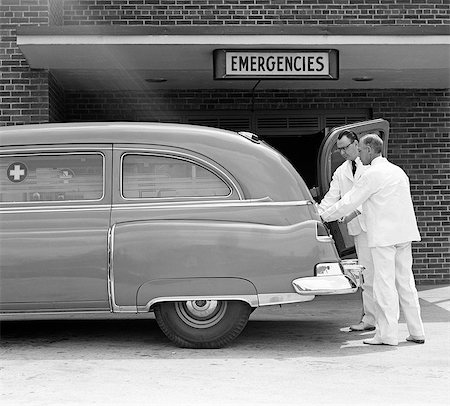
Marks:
<point>51,177</point>
<point>158,176</point>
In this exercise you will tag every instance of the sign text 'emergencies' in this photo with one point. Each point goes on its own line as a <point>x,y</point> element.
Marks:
<point>275,64</point>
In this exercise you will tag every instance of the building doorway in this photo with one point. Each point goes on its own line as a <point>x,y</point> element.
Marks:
<point>297,135</point>
<point>301,151</point>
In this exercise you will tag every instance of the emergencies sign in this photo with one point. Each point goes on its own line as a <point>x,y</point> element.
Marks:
<point>276,64</point>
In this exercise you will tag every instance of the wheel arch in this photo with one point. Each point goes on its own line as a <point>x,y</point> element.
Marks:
<point>200,288</point>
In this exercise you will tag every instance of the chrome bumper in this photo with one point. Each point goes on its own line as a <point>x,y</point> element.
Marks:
<point>336,284</point>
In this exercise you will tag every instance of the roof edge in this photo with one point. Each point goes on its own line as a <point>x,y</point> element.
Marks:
<point>232,30</point>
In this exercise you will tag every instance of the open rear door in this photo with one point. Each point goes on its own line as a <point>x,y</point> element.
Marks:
<point>329,159</point>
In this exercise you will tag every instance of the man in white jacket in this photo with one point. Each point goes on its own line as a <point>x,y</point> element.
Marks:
<point>384,193</point>
<point>342,182</point>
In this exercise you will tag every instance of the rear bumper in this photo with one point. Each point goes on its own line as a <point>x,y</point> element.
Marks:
<point>347,282</point>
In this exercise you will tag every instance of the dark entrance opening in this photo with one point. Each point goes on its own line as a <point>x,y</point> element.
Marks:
<point>302,151</point>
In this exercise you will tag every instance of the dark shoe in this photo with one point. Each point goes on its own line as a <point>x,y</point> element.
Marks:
<point>375,341</point>
<point>417,340</point>
<point>362,327</point>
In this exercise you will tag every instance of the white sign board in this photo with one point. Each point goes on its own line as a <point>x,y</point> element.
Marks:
<point>276,64</point>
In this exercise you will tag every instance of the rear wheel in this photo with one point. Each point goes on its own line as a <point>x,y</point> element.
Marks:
<point>202,323</point>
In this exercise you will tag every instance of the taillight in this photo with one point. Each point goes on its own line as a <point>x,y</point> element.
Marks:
<point>327,269</point>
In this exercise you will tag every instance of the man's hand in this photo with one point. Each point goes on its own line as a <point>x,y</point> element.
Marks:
<point>349,217</point>
<point>319,209</point>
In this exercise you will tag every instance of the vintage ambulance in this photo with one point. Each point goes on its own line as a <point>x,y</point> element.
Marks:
<point>199,225</point>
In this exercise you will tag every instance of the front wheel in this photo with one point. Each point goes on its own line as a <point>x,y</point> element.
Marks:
<point>202,323</point>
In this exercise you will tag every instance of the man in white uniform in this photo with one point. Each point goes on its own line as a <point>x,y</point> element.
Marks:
<point>384,193</point>
<point>342,182</point>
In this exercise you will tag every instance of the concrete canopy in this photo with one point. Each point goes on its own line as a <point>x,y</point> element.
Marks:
<point>129,58</point>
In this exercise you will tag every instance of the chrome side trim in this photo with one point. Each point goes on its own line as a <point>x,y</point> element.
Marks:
<point>252,300</point>
<point>56,147</point>
<point>45,209</point>
<point>19,315</point>
<point>270,299</point>
<point>181,156</point>
<point>111,297</point>
<point>263,202</point>
<point>266,299</point>
<point>126,309</point>
<point>324,239</point>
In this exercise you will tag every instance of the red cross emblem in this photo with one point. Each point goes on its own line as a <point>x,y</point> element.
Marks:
<point>17,172</point>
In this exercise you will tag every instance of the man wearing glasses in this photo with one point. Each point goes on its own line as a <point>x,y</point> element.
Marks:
<point>342,182</point>
<point>384,193</point>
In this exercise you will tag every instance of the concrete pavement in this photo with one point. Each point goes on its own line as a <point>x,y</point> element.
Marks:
<point>288,355</point>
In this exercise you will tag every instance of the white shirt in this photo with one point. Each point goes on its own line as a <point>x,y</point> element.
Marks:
<point>341,183</point>
<point>383,190</point>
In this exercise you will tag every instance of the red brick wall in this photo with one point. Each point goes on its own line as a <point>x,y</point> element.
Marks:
<point>24,92</point>
<point>252,12</point>
<point>419,141</point>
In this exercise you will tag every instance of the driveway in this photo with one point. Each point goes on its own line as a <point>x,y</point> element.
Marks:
<point>290,355</point>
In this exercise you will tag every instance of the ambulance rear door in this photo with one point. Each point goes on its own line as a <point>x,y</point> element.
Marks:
<point>329,159</point>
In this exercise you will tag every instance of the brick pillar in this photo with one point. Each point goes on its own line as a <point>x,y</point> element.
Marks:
<point>24,96</point>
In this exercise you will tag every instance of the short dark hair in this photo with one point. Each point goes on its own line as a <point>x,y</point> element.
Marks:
<point>349,134</point>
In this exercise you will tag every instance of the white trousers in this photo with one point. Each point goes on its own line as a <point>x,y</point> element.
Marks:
<point>365,259</point>
<point>394,283</point>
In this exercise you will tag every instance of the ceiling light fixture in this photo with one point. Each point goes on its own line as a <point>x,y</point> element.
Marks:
<point>156,80</point>
<point>362,79</point>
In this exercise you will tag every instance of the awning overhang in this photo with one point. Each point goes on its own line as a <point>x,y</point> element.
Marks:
<point>111,58</point>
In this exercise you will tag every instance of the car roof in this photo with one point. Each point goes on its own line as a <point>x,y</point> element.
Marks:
<point>115,132</point>
<point>262,170</point>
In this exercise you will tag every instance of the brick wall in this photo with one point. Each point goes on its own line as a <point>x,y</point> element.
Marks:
<point>253,12</point>
<point>419,118</point>
<point>419,143</point>
<point>24,92</point>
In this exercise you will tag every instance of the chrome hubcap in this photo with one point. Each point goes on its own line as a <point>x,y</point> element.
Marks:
<point>201,313</point>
